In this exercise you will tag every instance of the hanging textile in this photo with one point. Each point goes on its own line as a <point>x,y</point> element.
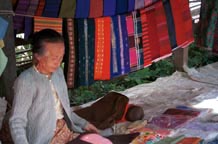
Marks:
<point>96,8</point>
<point>51,8</point>
<point>3,27</point>
<point>124,47</point>
<point>212,26</point>
<point>67,9</point>
<point>85,51</point>
<point>69,58</point>
<point>44,22</point>
<point>109,7</point>
<point>102,48</point>
<point>121,6</point>
<point>150,2</point>
<point>134,30</point>
<point>115,48</point>
<point>170,23</point>
<point>183,22</point>
<point>155,33</point>
<point>40,8</point>
<point>21,9</point>
<point>82,8</point>
<point>139,4</point>
<point>28,22</point>
<point>131,5</point>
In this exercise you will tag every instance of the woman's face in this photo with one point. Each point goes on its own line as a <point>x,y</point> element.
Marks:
<point>52,57</point>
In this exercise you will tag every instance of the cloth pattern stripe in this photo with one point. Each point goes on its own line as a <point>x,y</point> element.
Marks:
<point>109,7</point>
<point>51,8</point>
<point>40,8</point>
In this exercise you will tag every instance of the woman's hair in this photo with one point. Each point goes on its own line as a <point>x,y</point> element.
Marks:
<point>134,113</point>
<point>46,35</point>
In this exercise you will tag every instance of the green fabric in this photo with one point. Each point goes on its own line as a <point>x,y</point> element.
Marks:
<point>3,61</point>
<point>170,140</point>
<point>68,8</point>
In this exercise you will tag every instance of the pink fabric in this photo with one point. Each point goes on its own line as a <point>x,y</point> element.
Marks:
<point>130,27</point>
<point>133,57</point>
<point>95,139</point>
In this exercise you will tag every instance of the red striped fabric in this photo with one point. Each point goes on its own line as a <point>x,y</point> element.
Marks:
<point>44,22</point>
<point>102,48</point>
<point>40,8</point>
<point>183,22</point>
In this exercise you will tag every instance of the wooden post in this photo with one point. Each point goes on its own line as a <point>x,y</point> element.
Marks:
<point>180,58</point>
<point>9,75</point>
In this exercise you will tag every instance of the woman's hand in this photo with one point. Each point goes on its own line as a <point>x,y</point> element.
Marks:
<point>91,128</point>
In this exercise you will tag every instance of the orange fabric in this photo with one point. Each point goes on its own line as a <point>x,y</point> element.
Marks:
<point>123,119</point>
<point>102,48</point>
<point>45,22</point>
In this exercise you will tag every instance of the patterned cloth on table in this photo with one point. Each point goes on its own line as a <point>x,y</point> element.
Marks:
<point>82,8</point>
<point>51,8</point>
<point>68,9</point>
<point>85,52</point>
<point>40,8</point>
<point>29,20</point>
<point>131,5</point>
<point>119,47</point>
<point>20,11</point>
<point>109,7</point>
<point>102,48</point>
<point>190,140</point>
<point>156,43</point>
<point>170,23</point>
<point>134,30</point>
<point>96,8</point>
<point>170,140</point>
<point>44,22</point>
<point>139,4</point>
<point>183,22</point>
<point>121,6</point>
<point>69,68</point>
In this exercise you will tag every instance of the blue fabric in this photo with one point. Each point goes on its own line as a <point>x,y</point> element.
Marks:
<point>121,6</point>
<point>51,8</point>
<point>131,5</point>
<point>3,27</point>
<point>85,52</point>
<point>109,8</point>
<point>82,8</point>
<point>28,30</point>
<point>115,49</point>
<point>125,45</point>
<point>170,23</point>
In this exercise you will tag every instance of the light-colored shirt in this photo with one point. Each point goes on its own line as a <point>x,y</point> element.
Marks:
<point>33,119</point>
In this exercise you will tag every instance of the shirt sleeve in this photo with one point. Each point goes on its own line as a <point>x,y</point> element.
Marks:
<point>21,104</point>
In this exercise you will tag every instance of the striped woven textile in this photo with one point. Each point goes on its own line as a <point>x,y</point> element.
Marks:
<point>155,33</point>
<point>40,8</point>
<point>82,8</point>
<point>115,48</point>
<point>85,52</point>
<point>44,22</point>
<point>183,22</point>
<point>70,60</point>
<point>102,48</point>
<point>131,5</point>
<point>68,8</point>
<point>121,6</point>
<point>134,30</point>
<point>124,47</point>
<point>96,8</point>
